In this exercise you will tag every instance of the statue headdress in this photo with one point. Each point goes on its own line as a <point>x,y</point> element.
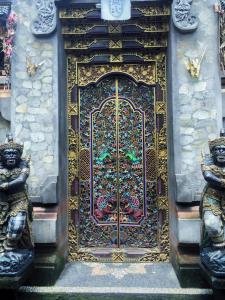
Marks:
<point>10,144</point>
<point>218,141</point>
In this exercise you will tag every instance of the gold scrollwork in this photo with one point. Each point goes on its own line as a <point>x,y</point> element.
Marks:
<point>151,43</point>
<point>154,11</point>
<point>82,256</point>
<point>77,29</point>
<point>140,72</point>
<point>79,44</point>
<point>71,13</point>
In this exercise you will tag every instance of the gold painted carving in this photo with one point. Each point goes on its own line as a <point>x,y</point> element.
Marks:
<point>77,29</point>
<point>71,13</point>
<point>160,27</point>
<point>151,164</point>
<point>151,43</point>
<point>193,65</point>
<point>158,58</point>
<point>115,44</point>
<point>115,58</point>
<point>162,255</point>
<point>145,73</point>
<point>84,164</point>
<point>154,11</point>
<point>160,107</point>
<point>79,44</point>
<point>73,109</point>
<point>113,28</point>
<point>74,201</point>
<point>86,74</point>
<point>81,72</point>
<point>118,256</point>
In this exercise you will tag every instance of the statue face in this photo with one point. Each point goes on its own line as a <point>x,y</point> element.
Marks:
<point>10,158</point>
<point>218,153</point>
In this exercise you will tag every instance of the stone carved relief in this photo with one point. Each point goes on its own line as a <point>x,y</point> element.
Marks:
<point>46,22</point>
<point>182,16</point>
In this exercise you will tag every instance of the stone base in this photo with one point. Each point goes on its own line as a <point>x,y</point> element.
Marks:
<point>48,264</point>
<point>115,293</point>
<point>186,265</point>
<point>113,281</point>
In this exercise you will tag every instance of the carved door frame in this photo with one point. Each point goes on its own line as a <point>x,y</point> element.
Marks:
<point>153,72</point>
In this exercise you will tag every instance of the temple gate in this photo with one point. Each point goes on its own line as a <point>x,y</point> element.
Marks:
<point>117,130</point>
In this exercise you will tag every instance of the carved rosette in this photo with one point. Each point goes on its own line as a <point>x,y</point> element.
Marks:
<point>182,17</point>
<point>46,21</point>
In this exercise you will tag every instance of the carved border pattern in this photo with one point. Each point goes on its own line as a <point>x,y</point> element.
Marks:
<point>77,74</point>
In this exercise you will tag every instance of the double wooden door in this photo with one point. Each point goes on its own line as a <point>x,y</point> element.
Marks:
<point>118,178</point>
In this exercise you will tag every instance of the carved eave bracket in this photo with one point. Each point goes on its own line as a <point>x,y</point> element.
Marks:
<point>46,21</point>
<point>182,17</point>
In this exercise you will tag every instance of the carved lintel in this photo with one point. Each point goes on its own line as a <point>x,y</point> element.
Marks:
<point>46,22</point>
<point>182,17</point>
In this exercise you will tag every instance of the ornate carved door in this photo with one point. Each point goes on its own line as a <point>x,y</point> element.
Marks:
<point>118,200</point>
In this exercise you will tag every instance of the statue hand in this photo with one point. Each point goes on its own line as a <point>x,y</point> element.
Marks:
<point>4,186</point>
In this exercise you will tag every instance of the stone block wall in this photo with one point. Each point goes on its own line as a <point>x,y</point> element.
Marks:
<point>34,109</point>
<point>195,110</point>
<point>197,104</point>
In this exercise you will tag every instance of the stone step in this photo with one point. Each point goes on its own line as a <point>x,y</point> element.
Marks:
<point>112,293</point>
<point>114,281</point>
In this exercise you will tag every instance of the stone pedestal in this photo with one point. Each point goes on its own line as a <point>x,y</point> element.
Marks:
<point>217,283</point>
<point>15,268</point>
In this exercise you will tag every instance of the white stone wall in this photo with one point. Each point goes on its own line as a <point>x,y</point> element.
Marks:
<point>34,108</point>
<point>197,105</point>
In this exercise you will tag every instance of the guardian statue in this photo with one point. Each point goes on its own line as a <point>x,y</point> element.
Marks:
<point>15,211</point>
<point>212,209</point>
